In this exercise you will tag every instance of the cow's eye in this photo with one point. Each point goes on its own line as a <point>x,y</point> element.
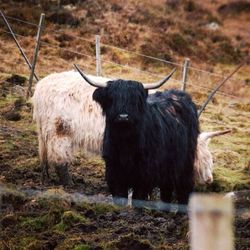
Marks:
<point>109,101</point>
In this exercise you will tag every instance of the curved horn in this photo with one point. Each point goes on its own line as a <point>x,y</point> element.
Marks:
<point>160,83</point>
<point>94,84</point>
<point>208,135</point>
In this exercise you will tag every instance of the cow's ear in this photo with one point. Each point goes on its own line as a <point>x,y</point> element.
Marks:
<point>99,96</point>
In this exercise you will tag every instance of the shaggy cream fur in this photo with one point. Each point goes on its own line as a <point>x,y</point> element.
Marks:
<point>204,159</point>
<point>66,116</point>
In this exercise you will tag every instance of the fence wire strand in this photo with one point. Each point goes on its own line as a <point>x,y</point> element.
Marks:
<point>142,55</point>
<point>194,84</point>
<point>125,50</point>
<point>74,36</point>
<point>16,34</point>
<point>78,198</point>
<point>21,21</point>
<point>66,50</point>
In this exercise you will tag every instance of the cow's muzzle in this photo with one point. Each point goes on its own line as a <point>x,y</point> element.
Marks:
<point>122,118</point>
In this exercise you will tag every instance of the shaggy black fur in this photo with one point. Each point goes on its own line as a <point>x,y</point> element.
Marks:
<point>154,147</point>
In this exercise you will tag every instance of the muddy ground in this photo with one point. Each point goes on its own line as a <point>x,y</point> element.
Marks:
<point>52,221</point>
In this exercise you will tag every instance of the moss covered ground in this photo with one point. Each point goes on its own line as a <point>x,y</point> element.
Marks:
<point>54,222</point>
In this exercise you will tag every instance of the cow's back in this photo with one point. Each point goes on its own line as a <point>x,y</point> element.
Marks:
<point>63,106</point>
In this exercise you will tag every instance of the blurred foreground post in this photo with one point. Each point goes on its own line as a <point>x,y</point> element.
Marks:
<point>38,38</point>
<point>98,55</point>
<point>185,73</point>
<point>211,222</point>
<point>59,4</point>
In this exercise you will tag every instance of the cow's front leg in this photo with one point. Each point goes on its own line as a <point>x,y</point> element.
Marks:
<point>62,171</point>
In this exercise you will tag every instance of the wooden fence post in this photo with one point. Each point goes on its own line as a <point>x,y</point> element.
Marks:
<point>211,222</point>
<point>59,4</point>
<point>98,55</point>
<point>18,44</point>
<point>38,38</point>
<point>185,73</point>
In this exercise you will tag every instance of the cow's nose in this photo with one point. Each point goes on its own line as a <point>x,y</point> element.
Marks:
<point>123,117</point>
<point>209,180</point>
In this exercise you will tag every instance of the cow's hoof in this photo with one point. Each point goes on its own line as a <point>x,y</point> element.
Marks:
<point>65,178</point>
<point>45,173</point>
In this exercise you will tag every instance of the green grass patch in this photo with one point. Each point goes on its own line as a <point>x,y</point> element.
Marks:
<point>227,179</point>
<point>68,220</point>
<point>103,208</point>
<point>61,226</point>
<point>25,241</point>
<point>36,224</point>
<point>81,247</point>
<point>71,217</point>
<point>97,208</point>
<point>7,100</point>
<point>41,222</point>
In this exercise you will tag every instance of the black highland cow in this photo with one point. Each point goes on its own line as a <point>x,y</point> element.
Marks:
<point>149,140</point>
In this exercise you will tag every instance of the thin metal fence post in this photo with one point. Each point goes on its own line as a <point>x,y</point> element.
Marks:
<point>185,73</point>
<point>98,55</point>
<point>38,38</point>
<point>18,44</point>
<point>211,222</point>
<point>220,84</point>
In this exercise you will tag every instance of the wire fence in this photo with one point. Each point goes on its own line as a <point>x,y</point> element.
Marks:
<point>118,48</point>
<point>194,84</point>
<point>196,75</point>
<point>121,49</point>
<point>78,198</point>
<point>21,21</point>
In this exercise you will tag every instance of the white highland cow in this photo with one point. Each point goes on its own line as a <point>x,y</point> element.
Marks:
<point>66,119</point>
